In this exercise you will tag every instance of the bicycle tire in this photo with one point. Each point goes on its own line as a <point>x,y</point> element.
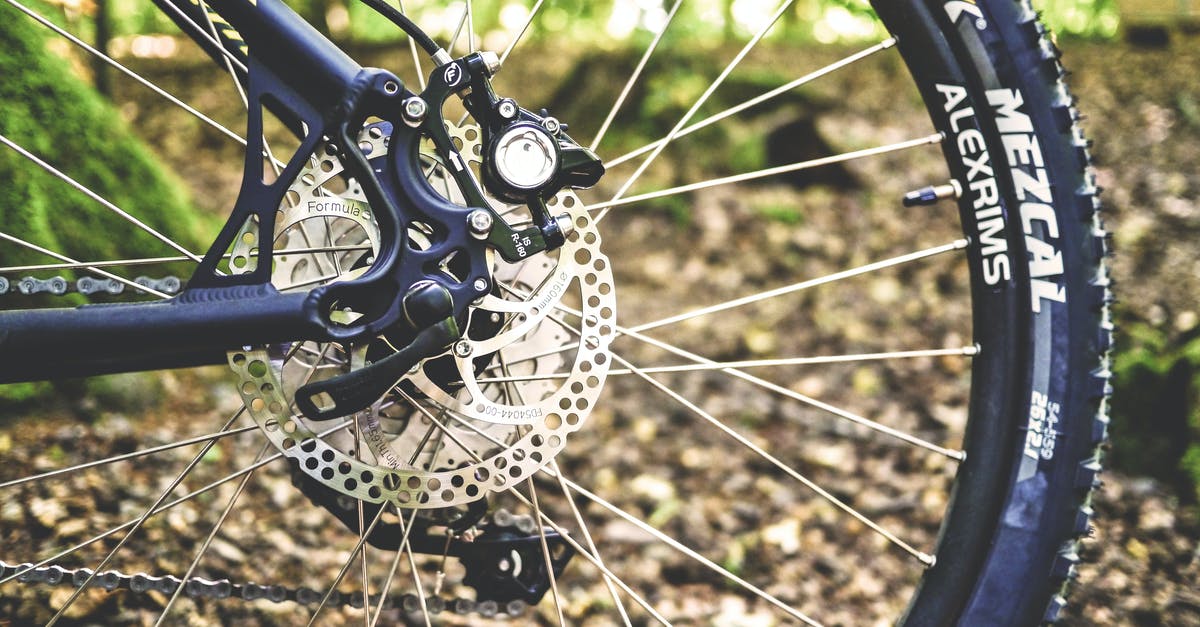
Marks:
<point>990,79</point>
<point>1020,572</point>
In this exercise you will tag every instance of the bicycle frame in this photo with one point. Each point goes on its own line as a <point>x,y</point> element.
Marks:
<point>296,70</point>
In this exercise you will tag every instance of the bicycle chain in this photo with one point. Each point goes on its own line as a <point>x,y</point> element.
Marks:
<point>222,589</point>
<point>60,286</point>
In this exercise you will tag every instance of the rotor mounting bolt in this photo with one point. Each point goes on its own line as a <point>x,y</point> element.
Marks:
<point>508,109</point>
<point>481,222</point>
<point>463,349</point>
<point>481,284</point>
<point>415,110</point>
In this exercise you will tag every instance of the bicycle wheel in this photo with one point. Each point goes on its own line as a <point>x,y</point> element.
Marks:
<point>859,372</point>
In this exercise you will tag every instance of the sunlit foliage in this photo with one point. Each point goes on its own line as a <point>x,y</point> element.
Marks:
<point>823,21</point>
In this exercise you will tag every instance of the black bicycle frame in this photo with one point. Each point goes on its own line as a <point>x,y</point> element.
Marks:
<point>295,68</point>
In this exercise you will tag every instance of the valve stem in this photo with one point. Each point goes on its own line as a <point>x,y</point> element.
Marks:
<point>931,195</point>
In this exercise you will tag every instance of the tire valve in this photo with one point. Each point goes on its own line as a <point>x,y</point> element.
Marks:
<point>931,195</point>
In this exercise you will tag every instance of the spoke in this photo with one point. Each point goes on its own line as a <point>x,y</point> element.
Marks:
<point>521,33</point>
<point>470,28</point>
<point>404,548</point>
<point>563,533</point>
<point>619,201</point>
<point>96,197</point>
<point>104,273</point>
<point>836,411</point>
<point>237,85</point>
<point>633,78</point>
<point>439,425</point>
<point>317,281</point>
<point>183,499</point>
<point>587,536</point>
<point>211,536</point>
<point>783,6</point>
<point>537,511</point>
<point>220,47</point>
<point>734,110</point>
<point>778,389</point>
<point>127,456</point>
<point>145,516</point>
<point>416,576</point>
<point>362,540</point>
<point>358,444</point>
<point>757,450</point>
<point>774,293</point>
<point>130,73</point>
<point>923,557</point>
<point>682,548</point>
<point>512,393</point>
<point>809,284</point>
<point>965,351</point>
<point>412,45</point>
<point>462,22</point>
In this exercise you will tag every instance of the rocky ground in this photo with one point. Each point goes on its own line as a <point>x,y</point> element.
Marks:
<point>652,455</point>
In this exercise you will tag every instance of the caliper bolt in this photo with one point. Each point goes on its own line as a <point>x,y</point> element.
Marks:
<point>491,62</point>
<point>415,110</point>
<point>565,224</point>
<point>463,349</point>
<point>508,109</point>
<point>552,125</point>
<point>480,222</point>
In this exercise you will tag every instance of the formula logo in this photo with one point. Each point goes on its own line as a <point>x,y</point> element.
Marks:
<point>452,75</point>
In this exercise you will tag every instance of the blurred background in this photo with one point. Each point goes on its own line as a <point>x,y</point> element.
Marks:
<point>1135,69</point>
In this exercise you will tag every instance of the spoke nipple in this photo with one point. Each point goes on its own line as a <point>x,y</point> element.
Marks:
<point>415,110</point>
<point>889,42</point>
<point>972,351</point>
<point>481,222</point>
<point>927,559</point>
<point>491,62</point>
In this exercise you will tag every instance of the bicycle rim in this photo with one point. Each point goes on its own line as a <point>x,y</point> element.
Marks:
<point>817,404</point>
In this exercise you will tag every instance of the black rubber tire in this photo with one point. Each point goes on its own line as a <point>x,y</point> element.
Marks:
<point>1008,541</point>
<point>993,86</point>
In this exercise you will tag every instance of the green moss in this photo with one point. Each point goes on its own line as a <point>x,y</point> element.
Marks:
<point>51,113</point>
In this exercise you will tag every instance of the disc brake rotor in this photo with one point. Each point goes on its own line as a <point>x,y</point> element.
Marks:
<point>481,418</point>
